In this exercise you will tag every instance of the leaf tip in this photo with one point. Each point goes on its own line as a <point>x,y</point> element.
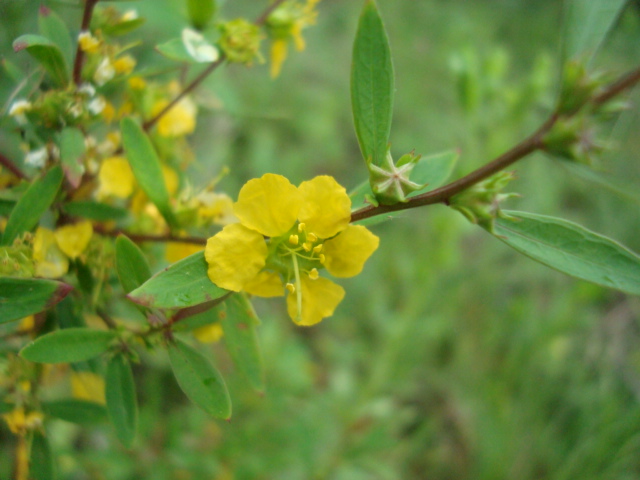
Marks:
<point>44,11</point>
<point>18,46</point>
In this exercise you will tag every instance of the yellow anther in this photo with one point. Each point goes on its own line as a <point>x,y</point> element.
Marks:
<point>312,237</point>
<point>301,227</point>
<point>313,274</point>
<point>317,248</point>
<point>307,246</point>
<point>291,287</point>
<point>293,239</point>
<point>321,258</point>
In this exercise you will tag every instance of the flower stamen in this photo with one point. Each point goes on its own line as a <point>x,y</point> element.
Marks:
<point>298,290</point>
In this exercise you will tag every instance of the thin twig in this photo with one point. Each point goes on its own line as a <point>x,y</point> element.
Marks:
<point>9,165</point>
<point>86,22</point>
<point>521,150</point>
<point>141,237</point>
<point>263,17</point>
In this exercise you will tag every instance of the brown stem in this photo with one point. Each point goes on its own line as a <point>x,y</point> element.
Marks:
<point>197,309</point>
<point>89,5</point>
<point>521,150</point>
<point>141,237</point>
<point>263,17</point>
<point>623,83</point>
<point>9,165</point>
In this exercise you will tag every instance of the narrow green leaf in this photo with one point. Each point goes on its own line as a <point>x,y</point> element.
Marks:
<point>100,212</point>
<point>146,167</point>
<point>41,461</point>
<point>81,412</point>
<point>68,345</point>
<point>122,405</point>
<point>201,12</point>
<point>35,201</point>
<point>47,53</point>
<point>131,264</point>
<point>174,49</point>
<point>199,380</point>
<point>372,85</point>
<point>572,249</point>
<point>72,148</point>
<point>53,27</point>
<point>239,326</point>
<point>587,23</point>
<point>20,297</point>
<point>183,284</point>
<point>122,28</point>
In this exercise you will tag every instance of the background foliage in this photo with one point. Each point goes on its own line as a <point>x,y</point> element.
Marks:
<point>451,357</point>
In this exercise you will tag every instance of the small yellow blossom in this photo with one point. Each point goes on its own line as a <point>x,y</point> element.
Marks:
<point>18,110</point>
<point>286,24</point>
<point>124,65</point>
<point>27,324</point>
<point>87,386</point>
<point>105,71</point>
<point>88,43</point>
<point>73,239</point>
<point>137,83</point>
<point>216,208</point>
<point>179,120</point>
<point>19,422</point>
<point>209,333</point>
<point>116,178</point>
<point>49,259</point>
<point>108,112</point>
<point>317,215</point>
<point>176,251</point>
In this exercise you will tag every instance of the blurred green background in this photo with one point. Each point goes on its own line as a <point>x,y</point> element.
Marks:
<point>451,357</point>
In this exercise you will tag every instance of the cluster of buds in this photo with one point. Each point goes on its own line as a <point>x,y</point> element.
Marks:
<point>481,203</point>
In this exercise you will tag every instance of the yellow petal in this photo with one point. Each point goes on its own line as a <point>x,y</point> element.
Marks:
<point>73,239</point>
<point>50,261</point>
<point>116,178</point>
<point>235,256</point>
<point>178,250</point>
<point>265,284</point>
<point>179,120</point>
<point>268,205</point>
<point>326,207</point>
<point>319,299</point>
<point>171,179</point>
<point>209,333</point>
<point>346,253</point>
<point>87,386</point>
<point>278,56</point>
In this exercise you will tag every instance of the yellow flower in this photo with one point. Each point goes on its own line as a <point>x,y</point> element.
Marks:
<point>88,43</point>
<point>19,422</point>
<point>286,24</point>
<point>179,120</point>
<point>307,228</point>
<point>49,259</point>
<point>87,386</point>
<point>116,178</point>
<point>137,83</point>
<point>124,64</point>
<point>209,333</point>
<point>73,239</point>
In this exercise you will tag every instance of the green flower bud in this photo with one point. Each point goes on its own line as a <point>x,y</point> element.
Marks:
<point>391,182</point>
<point>240,41</point>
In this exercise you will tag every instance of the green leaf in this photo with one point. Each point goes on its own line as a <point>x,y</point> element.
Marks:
<point>81,412</point>
<point>587,23</point>
<point>372,85</point>
<point>131,264</point>
<point>122,405</point>
<point>199,380</point>
<point>146,167</point>
<point>122,28</point>
<point>201,12</point>
<point>191,48</point>
<point>52,26</point>
<point>47,53</point>
<point>35,201</point>
<point>183,284</point>
<point>100,212</point>
<point>6,407</point>
<point>68,345</point>
<point>571,249</point>
<point>12,71</point>
<point>239,323</point>
<point>20,297</point>
<point>41,461</point>
<point>72,148</point>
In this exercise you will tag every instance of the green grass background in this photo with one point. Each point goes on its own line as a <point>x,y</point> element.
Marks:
<point>451,357</point>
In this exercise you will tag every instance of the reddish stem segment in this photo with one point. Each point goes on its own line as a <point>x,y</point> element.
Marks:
<point>86,21</point>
